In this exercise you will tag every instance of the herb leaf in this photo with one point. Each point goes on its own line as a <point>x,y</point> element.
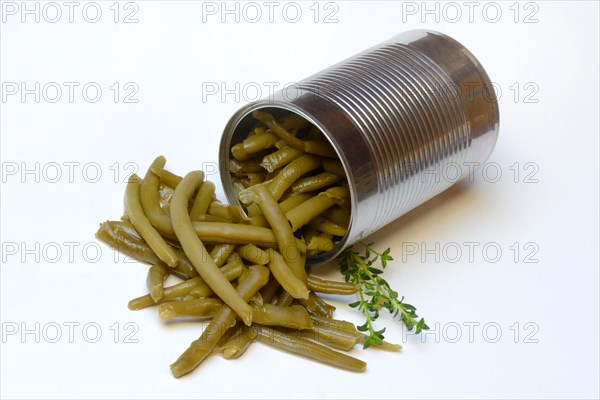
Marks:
<point>375,293</point>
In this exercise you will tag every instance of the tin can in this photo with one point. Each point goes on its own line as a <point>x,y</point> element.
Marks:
<point>408,118</point>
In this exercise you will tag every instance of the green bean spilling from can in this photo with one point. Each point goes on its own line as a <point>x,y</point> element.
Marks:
<point>245,268</point>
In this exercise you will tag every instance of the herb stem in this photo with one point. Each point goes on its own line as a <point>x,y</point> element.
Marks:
<point>375,292</point>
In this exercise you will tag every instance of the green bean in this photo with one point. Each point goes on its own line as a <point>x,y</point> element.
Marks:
<point>139,250</point>
<point>231,271</point>
<point>169,293</point>
<point>223,320</point>
<point>348,327</point>
<point>201,308</point>
<point>302,214</point>
<point>239,153</point>
<point>262,140</point>
<point>258,128</point>
<point>227,336</point>
<point>155,280</point>
<point>318,306</point>
<point>257,301</point>
<point>314,182</point>
<point>223,232</point>
<point>280,158</point>
<point>124,227</point>
<point>320,147</point>
<point>184,266</point>
<point>252,179</point>
<point>237,185</point>
<point>242,167</point>
<point>291,173</point>
<point>306,348</point>
<point>232,213</point>
<point>202,200</point>
<point>302,247</point>
<point>338,216</point>
<point>319,244</point>
<point>211,218</point>
<point>384,345</point>
<point>286,205</point>
<point>336,324</point>
<point>335,167</point>
<point>295,317</point>
<point>196,251</point>
<point>110,232</point>
<point>288,247</point>
<point>319,285</point>
<point>218,209</point>
<point>282,143</point>
<point>308,234</point>
<point>336,338</point>
<point>344,329</point>
<point>326,235</point>
<point>286,277</point>
<point>253,254</point>
<point>221,252</point>
<point>167,177</point>
<point>337,193</point>
<point>270,290</point>
<point>194,287</point>
<point>252,209</point>
<point>324,225</point>
<point>294,201</point>
<point>150,199</point>
<point>245,271</point>
<point>202,347</point>
<point>277,129</point>
<point>293,121</point>
<point>330,307</point>
<point>285,299</point>
<point>143,226</point>
<point>344,203</point>
<point>235,257</point>
<point>238,343</point>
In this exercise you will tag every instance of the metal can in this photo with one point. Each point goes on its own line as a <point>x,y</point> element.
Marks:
<point>400,115</point>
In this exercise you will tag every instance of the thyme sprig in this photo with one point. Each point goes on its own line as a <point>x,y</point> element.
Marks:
<point>376,294</point>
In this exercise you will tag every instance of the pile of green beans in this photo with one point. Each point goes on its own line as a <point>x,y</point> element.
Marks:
<point>245,270</point>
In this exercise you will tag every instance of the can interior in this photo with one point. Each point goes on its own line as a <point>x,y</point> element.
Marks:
<point>237,130</point>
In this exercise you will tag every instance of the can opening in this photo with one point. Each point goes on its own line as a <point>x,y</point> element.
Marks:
<point>238,128</point>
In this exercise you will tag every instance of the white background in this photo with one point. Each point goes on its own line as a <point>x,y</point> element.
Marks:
<point>543,58</point>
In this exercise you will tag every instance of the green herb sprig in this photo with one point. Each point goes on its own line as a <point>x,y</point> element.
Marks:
<point>375,293</point>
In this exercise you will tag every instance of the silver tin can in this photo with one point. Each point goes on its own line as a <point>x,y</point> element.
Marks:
<point>408,119</point>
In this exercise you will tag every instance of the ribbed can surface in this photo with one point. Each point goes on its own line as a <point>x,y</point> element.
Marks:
<point>407,118</point>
